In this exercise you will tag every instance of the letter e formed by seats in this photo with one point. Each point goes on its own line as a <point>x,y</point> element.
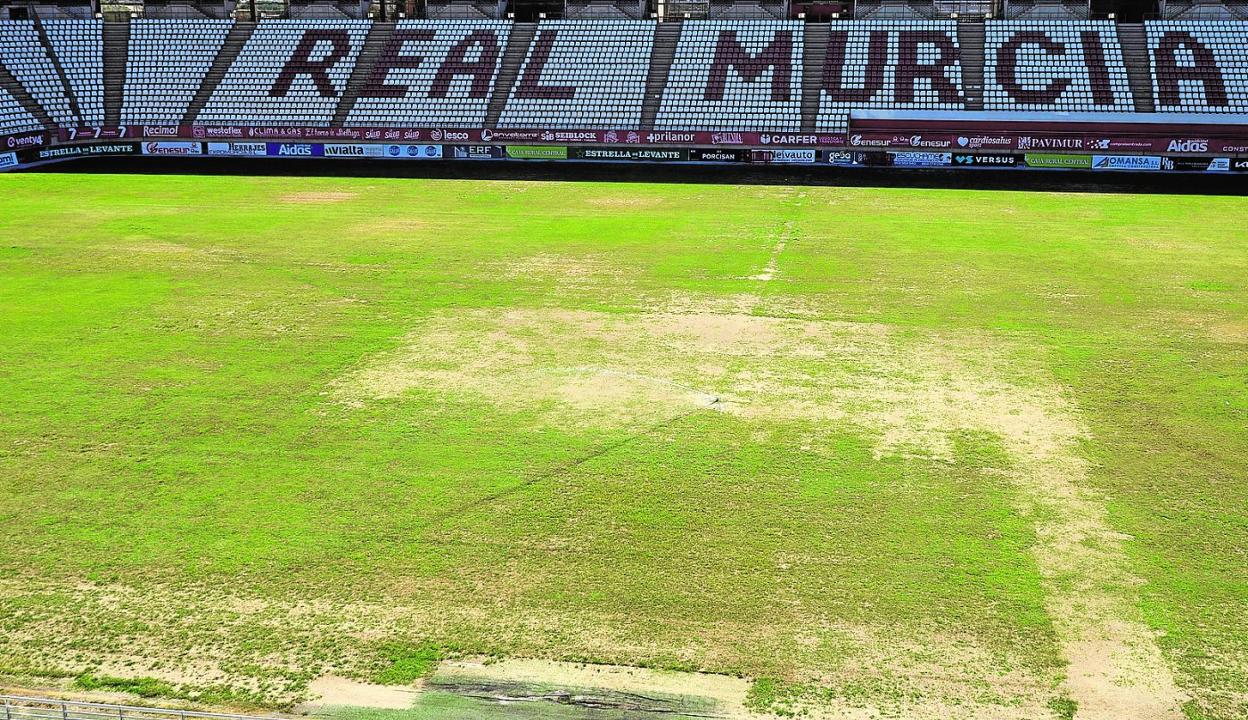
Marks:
<point>301,62</point>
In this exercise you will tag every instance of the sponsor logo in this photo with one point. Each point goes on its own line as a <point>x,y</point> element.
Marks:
<point>860,141</point>
<point>1125,162</point>
<point>160,131</point>
<point>983,160</point>
<point>24,141</point>
<point>352,151</point>
<point>794,156</point>
<point>476,152</point>
<point>1219,165</point>
<point>611,137</point>
<point>1043,160</point>
<point>921,159</point>
<point>1027,142</point>
<point>1240,165</point>
<point>919,141</point>
<point>173,148</point>
<point>487,135</point>
<point>980,141</point>
<point>8,160</point>
<point>667,136</point>
<point>1188,146</point>
<point>238,149</point>
<point>839,158</point>
<point>537,152</point>
<point>293,149</point>
<point>414,152</point>
<point>727,139</point>
<point>217,132</point>
<point>717,155</point>
<point>771,139</point>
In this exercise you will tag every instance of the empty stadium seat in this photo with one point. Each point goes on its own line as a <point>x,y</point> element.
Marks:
<point>166,64</point>
<point>14,118</point>
<point>756,84</point>
<point>1052,70</point>
<point>79,47</point>
<point>582,74</point>
<point>1199,65</point>
<point>288,73</point>
<point>23,54</point>
<point>450,86</point>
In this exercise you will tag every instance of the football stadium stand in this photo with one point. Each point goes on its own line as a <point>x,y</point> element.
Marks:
<point>711,82</point>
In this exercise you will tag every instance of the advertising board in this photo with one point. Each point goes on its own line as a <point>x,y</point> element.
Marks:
<point>413,152</point>
<point>1126,162</point>
<point>353,150</point>
<point>1054,160</point>
<point>627,153</point>
<point>237,149</point>
<point>719,155</point>
<point>172,147</point>
<point>1196,164</point>
<point>921,159</point>
<point>477,152</point>
<point>294,150</point>
<point>8,160</point>
<point>537,152</point>
<point>1001,160</point>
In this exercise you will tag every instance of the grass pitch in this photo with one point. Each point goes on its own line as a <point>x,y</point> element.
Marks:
<point>922,453</point>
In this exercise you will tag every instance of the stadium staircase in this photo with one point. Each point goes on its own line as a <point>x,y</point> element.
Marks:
<point>971,45</point>
<point>815,48</point>
<point>116,47</point>
<point>1139,69</point>
<point>60,71</point>
<point>665,38</point>
<point>234,42</point>
<point>19,93</point>
<point>374,45</point>
<point>513,57</point>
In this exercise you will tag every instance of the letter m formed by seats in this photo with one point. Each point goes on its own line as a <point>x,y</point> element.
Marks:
<point>730,54</point>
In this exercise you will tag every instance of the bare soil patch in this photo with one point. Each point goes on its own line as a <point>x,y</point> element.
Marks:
<point>914,394</point>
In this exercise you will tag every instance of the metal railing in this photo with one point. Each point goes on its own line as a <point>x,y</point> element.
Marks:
<point>18,707</point>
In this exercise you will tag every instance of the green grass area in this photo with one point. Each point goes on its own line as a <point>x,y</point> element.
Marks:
<point>257,430</point>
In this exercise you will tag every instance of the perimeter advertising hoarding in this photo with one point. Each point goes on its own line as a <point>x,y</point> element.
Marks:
<point>477,152</point>
<point>537,152</point>
<point>294,150</point>
<point>842,158</point>
<point>1194,164</point>
<point>8,160</point>
<point>790,156</point>
<point>75,151</point>
<point>1000,160</point>
<point>413,152</point>
<point>719,155</point>
<point>227,149</point>
<point>627,153</point>
<point>21,141</point>
<point>1126,162</point>
<point>921,159</point>
<point>1054,160</point>
<point>352,150</point>
<point>175,147</point>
